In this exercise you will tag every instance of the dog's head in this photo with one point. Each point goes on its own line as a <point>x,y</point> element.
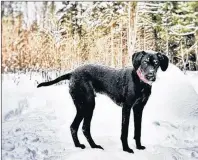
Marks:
<point>146,65</point>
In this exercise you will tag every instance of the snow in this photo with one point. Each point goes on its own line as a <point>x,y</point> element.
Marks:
<point>36,122</point>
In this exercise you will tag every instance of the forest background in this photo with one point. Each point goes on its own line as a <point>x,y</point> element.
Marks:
<point>48,36</point>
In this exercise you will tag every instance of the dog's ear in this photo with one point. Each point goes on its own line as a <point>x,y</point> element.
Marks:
<point>163,59</point>
<point>136,59</point>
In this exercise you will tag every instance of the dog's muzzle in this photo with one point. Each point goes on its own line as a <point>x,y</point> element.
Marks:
<point>142,76</point>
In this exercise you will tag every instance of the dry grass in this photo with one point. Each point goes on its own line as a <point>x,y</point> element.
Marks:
<point>36,49</point>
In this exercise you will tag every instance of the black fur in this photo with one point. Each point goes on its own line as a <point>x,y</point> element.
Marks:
<point>123,86</point>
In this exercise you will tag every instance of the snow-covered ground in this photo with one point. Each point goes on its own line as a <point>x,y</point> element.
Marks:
<point>36,122</point>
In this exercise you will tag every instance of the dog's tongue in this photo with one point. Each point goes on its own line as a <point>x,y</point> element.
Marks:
<point>142,77</point>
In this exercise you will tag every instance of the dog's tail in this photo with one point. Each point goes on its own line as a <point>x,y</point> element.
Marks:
<point>63,77</point>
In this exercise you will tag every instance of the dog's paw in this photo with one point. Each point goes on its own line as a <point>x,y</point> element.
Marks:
<point>98,147</point>
<point>141,147</point>
<point>129,150</point>
<point>82,146</point>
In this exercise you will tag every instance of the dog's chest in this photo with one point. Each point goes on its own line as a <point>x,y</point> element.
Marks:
<point>144,93</point>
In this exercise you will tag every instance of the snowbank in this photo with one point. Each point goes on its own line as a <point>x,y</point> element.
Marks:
<point>173,98</point>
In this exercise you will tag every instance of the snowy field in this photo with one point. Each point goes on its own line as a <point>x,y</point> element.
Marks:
<point>36,122</point>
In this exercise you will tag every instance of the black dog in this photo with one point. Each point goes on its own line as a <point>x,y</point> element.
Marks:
<point>128,87</point>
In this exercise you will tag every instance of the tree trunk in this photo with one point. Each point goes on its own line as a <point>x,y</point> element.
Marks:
<point>133,16</point>
<point>2,9</point>
<point>44,12</point>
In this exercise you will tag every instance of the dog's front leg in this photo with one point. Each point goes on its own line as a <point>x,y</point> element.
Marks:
<point>137,110</point>
<point>125,125</point>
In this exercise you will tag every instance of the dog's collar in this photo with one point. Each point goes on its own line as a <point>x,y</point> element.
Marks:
<point>142,77</point>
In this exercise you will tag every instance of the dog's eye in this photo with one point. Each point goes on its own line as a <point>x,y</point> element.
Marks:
<point>156,62</point>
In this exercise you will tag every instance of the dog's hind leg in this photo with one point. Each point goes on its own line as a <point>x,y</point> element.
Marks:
<point>74,129</point>
<point>84,99</point>
<point>78,101</point>
<point>89,105</point>
<point>87,125</point>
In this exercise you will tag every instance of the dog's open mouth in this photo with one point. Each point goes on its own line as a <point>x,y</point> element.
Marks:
<point>148,80</point>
